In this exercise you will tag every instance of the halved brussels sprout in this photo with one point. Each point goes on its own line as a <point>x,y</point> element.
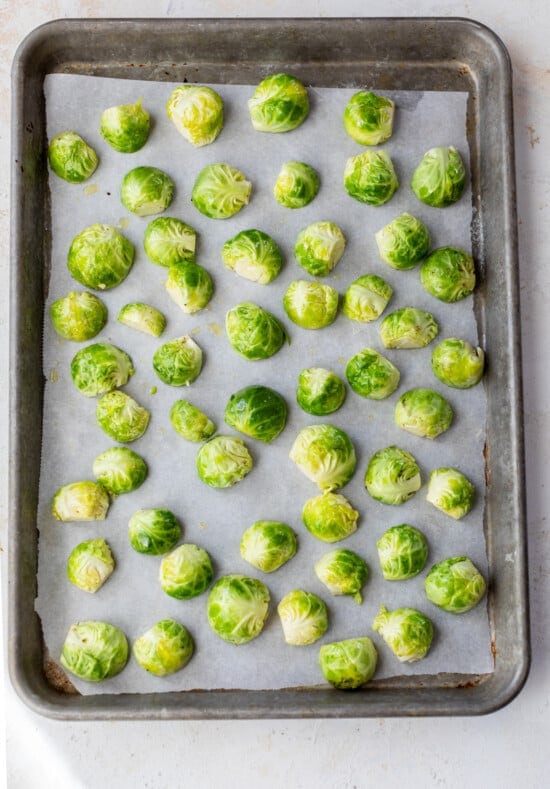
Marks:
<point>256,411</point>
<point>310,305</point>
<point>120,470</point>
<point>78,316</point>
<point>267,545</point>
<point>348,664</point>
<point>406,631</point>
<point>455,585</point>
<point>297,185</point>
<point>125,127</point>
<point>304,617</point>
<point>121,417</point>
<point>366,298</point>
<point>326,456</point>
<point>220,191</point>
<point>279,104</point>
<point>457,363</point>
<point>186,572</point>
<point>71,158</point>
<point>197,113</point>
<point>403,551</point>
<point>330,517</point>
<point>408,327</point>
<point>320,392</point>
<point>94,651</point>
<point>146,190</point>
<point>164,649</point>
<point>142,317</point>
<point>99,368</point>
<point>253,332</point>
<point>440,177</point>
<point>392,476</point>
<point>168,240</point>
<point>254,255</point>
<point>100,257</point>
<point>448,274</point>
<point>237,608</point>
<point>190,422</point>
<point>451,492</point>
<point>153,531</point>
<point>190,286</point>
<point>319,247</point>
<point>90,564</point>
<point>178,362</point>
<point>403,242</point>
<point>370,177</point>
<point>368,118</point>
<point>372,375</point>
<point>343,572</point>
<point>423,412</point>
<point>223,461</point>
<point>81,501</point>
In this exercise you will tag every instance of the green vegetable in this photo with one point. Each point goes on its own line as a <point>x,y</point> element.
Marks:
<point>256,411</point>
<point>220,191</point>
<point>71,158</point>
<point>223,461</point>
<point>153,531</point>
<point>297,185</point>
<point>164,649</point>
<point>178,362</point>
<point>370,178</point>
<point>310,305</point>
<point>403,242</point>
<point>330,517</point>
<point>90,564</point>
<point>190,422</point>
<point>368,118</point>
<point>366,298</point>
<point>392,476</point>
<point>348,664</point>
<point>278,104</point>
<point>121,417</point>
<point>457,363</point>
<point>326,456</point>
<point>320,392</point>
<point>146,190</point>
<point>100,257</point>
<point>451,492</point>
<point>186,572</point>
<point>319,247</point>
<point>168,240</point>
<point>372,375</point>
<point>80,501</point>
<point>142,317</point>
<point>440,177</point>
<point>448,274</point>
<point>406,631</point>
<point>343,572</point>
<point>408,327</point>
<point>94,651</point>
<point>254,255</point>
<point>190,286</point>
<point>403,551</point>
<point>237,608</point>
<point>197,113</point>
<point>120,470</point>
<point>423,412</point>
<point>78,316</point>
<point>304,617</point>
<point>455,585</point>
<point>267,545</point>
<point>253,332</point>
<point>99,368</point>
<point>125,127</point>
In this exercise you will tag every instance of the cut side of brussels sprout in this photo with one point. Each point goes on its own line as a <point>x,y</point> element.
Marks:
<point>257,411</point>
<point>372,375</point>
<point>392,476</point>
<point>253,332</point>
<point>343,572</point>
<point>220,191</point>
<point>146,190</point>
<point>78,316</point>
<point>153,531</point>
<point>168,240</point>
<point>423,412</point>
<point>403,551</point>
<point>320,392</point>
<point>164,649</point>
<point>190,286</point>
<point>190,422</point>
<point>121,417</point>
<point>368,118</point>
<point>142,317</point>
<point>71,158</point>
<point>100,257</point>
<point>440,177</point>
<point>406,631</point>
<point>279,104</point>
<point>370,177</point>
<point>319,247</point>
<point>253,255</point>
<point>94,651</point>
<point>90,564</point>
<point>408,327</point>
<point>330,517</point>
<point>120,470</point>
<point>178,362</point>
<point>197,113</point>
<point>81,501</point>
<point>297,185</point>
<point>455,585</point>
<point>125,127</point>
<point>451,492</point>
<point>99,368</point>
<point>304,617</point>
<point>403,242</point>
<point>348,664</point>
<point>237,608</point>
<point>223,461</point>
<point>325,454</point>
<point>457,363</point>
<point>366,298</point>
<point>186,572</point>
<point>267,545</point>
<point>448,273</point>
<point>310,305</point>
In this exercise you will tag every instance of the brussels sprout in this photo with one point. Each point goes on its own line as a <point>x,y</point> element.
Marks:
<point>406,631</point>
<point>455,585</point>
<point>368,118</point>
<point>120,470</point>
<point>423,412</point>
<point>370,178</point>
<point>320,392</point>
<point>310,305</point>
<point>343,572</point>
<point>121,417</point>
<point>451,492</point>
<point>78,316</point>
<point>372,375</point>
<point>153,531</point>
<point>94,651</point>
<point>125,127</point>
<point>348,664</point>
<point>190,422</point>
<point>178,362</point>
<point>448,274</point>
<point>278,104</point>
<point>81,501</point>
<point>186,572</point>
<point>71,158</point>
<point>223,461</point>
<point>403,242</point>
<point>366,298</point>
<point>99,368</point>
<point>100,257</point>
<point>197,113</point>
<point>408,327</point>
<point>392,476</point>
<point>90,564</point>
<point>457,363</point>
<point>164,649</point>
<point>254,255</point>
<point>142,317</point>
<point>237,608</point>
<point>330,517</point>
<point>190,286</point>
<point>253,332</point>
<point>319,247</point>
<point>326,456</point>
<point>220,191</point>
<point>440,177</point>
<point>256,411</point>
<point>304,617</point>
<point>297,185</point>
<point>168,240</point>
<point>267,545</point>
<point>402,551</point>
<point>146,190</point>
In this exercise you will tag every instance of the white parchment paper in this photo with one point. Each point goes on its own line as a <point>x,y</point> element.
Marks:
<point>275,490</point>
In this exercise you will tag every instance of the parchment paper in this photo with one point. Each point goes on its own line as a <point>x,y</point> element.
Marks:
<point>275,490</point>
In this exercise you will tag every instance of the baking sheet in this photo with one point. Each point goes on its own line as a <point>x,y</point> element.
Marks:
<point>132,598</point>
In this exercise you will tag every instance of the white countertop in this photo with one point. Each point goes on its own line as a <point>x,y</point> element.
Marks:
<point>506,749</point>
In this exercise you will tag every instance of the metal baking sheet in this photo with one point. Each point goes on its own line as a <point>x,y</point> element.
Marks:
<point>421,54</point>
